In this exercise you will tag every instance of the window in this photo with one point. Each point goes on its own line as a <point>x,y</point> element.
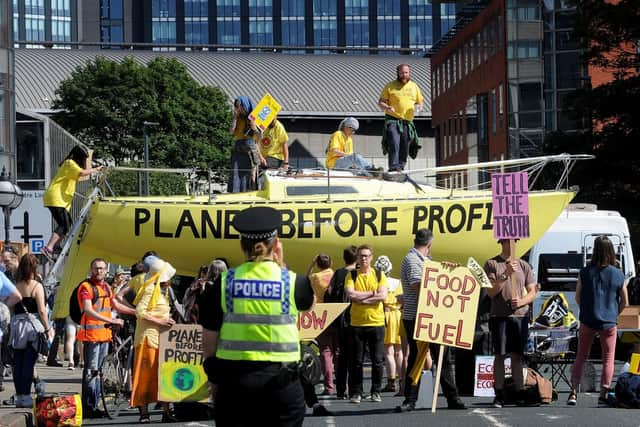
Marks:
<point>357,23</point>
<point>30,155</point>
<point>523,49</point>
<point>109,9</point>
<point>569,69</point>
<point>530,96</point>
<point>163,17</point>
<point>420,24</point>
<point>260,22</point>
<point>325,27</point>
<point>494,111</point>
<point>293,30</point>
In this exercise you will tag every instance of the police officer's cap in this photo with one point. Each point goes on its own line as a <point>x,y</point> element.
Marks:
<point>258,223</point>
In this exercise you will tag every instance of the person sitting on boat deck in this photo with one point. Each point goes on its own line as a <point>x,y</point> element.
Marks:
<point>59,195</point>
<point>245,155</point>
<point>274,151</point>
<point>340,153</point>
<point>399,100</point>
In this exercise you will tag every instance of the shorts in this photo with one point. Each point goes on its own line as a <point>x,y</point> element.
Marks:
<point>62,218</point>
<point>70,327</point>
<point>509,334</point>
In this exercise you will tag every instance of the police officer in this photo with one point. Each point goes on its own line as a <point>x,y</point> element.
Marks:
<point>251,341</point>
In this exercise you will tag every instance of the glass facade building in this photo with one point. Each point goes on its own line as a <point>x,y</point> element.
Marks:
<point>47,21</point>
<point>7,89</point>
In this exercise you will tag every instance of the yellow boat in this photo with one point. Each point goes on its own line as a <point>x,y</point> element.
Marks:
<point>321,213</point>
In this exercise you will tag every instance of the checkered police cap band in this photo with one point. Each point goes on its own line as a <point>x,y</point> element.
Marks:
<point>260,236</point>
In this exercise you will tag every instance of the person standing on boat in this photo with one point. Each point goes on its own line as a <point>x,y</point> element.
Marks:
<point>509,321</point>
<point>250,340</point>
<point>59,195</point>
<point>399,100</point>
<point>274,151</point>
<point>245,156</point>
<point>340,154</point>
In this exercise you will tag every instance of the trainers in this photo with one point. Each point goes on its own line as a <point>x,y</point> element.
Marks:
<point>71,366</point>
<point>455,403</point>
<point>356,398</point>
<point>405,407</point>
<point>375,397</point>
<point>573,399</point>
<point>321,411</point>
<point>341,396</point>
<point>498,401</point>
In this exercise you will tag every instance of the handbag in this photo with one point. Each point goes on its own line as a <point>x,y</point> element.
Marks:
<point>42,340</point>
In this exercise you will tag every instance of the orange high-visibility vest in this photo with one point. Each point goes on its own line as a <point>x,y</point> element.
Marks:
<point>91,329</point>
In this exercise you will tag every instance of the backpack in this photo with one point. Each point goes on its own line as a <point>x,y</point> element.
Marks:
<point>75,311</point>
<point>633,289</point>
<point>354,274</point>
<point>628,390</point>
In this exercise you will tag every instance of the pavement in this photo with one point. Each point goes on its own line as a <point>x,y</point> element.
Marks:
<point>58,380</point>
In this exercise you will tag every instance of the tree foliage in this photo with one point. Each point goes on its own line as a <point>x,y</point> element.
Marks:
<point>609,34</point>
<point>105,103</point>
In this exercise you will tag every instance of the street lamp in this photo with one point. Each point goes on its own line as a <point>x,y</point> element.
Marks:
<point>10,198</point>
<point>146,153</point>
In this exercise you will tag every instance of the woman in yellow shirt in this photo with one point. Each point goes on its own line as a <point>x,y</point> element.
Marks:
<point>153,314</point>
<point>59,195</point>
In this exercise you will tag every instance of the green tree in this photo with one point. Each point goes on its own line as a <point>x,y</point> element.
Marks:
<point>105,103</point>
<point>609,34</point>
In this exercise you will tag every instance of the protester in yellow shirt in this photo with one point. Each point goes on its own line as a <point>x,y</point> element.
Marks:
<point>399,100</point>
<point>274,151</point>
<point>59,195</point>
<point>340,154</point>
<point>367,293</point>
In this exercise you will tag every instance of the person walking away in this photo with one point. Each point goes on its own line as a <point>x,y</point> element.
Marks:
<point>245,156</point>
<point>328,339</point>
<point>393,355</point>
<point>335,293</point>
<point>59,195</point>
<point>250,339</point>
<point>367,292</point>
<point>400,99</point>
<point>95,299</point>
<point>340,153</point>
<point>509,321</point>
<point>153,313</point>
<point>601,294</point>
<point>30,318</point>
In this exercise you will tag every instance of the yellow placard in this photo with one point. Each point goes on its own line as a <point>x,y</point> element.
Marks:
<point>634,365</point>
<point>264,113</point>
<point>447,304</point>
<point>181,377</point>
<point>311,323</point>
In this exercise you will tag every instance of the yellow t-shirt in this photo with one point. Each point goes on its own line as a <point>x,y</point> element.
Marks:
<point>320,282</point>
<point>62,187</point>
<point>403,98</point>
<point>366,314</point>
<point>145,328</point>
<point>136,282</point>
<point>273,140</point>
<point>242,126</point>
<point>338,141</point>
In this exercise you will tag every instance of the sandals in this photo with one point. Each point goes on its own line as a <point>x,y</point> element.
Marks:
<point>573,399</point>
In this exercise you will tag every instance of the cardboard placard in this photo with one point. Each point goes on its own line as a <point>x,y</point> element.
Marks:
<point>181,377</point>
<point>311,323</point>
<point>264,113</point>
<point>510,193</point>
<point>448,303</point>
<point>483,378</point>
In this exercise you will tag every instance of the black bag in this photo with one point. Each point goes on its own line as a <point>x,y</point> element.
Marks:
<point>75,311</point>
<point>633,289</point>
<point>628,391</point>
<point>43,344</point>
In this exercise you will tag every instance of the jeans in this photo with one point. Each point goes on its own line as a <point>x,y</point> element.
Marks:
<point>608,339</point>
<point>24,361</point>
<point>329,348</point>
<point>373,338</point>
<point>352,161</point>
<point>398,145</point>
<point>94,355</point>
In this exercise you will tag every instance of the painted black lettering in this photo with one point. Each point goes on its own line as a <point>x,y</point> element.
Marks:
<point>473,215</point>
<point>141,216</point>
<point>186,220</point>
<point>229,232</point>
<point>435,215</point>
<point>487,219</point>
<point>367,217</point>
<point>156,225</point>
<point>288,227</point>
<point>420,213</point>
<point>302,220</point>
<point>322,216</point>
<point>451,227</point>
<point>386,220</point>
<point>206,224</point>
<point>351,226</point>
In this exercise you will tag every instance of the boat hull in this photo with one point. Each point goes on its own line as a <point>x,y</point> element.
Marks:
<point>190,233</point>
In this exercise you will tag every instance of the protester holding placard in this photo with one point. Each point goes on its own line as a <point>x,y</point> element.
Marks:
<point>509,321</point>
<point>367,289</point>
<point>601,294</point>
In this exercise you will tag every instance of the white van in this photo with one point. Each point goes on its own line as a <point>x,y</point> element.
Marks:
<point>567,246</point>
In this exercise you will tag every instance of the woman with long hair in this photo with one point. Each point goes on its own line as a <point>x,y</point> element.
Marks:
<point>601,294</point>
<point>30,318</point>
<point>153,313</point>
<point>59,195</point>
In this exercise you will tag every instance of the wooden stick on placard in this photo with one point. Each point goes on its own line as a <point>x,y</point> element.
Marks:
<point>436,383</point>
<point>511,258</point>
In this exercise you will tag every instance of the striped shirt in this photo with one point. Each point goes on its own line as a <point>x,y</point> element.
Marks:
<point>410,273</point>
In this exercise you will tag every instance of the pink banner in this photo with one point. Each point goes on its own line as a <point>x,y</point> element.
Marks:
<point>510,205</point>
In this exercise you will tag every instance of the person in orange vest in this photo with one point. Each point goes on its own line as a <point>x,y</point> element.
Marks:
<point>96,300</point>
